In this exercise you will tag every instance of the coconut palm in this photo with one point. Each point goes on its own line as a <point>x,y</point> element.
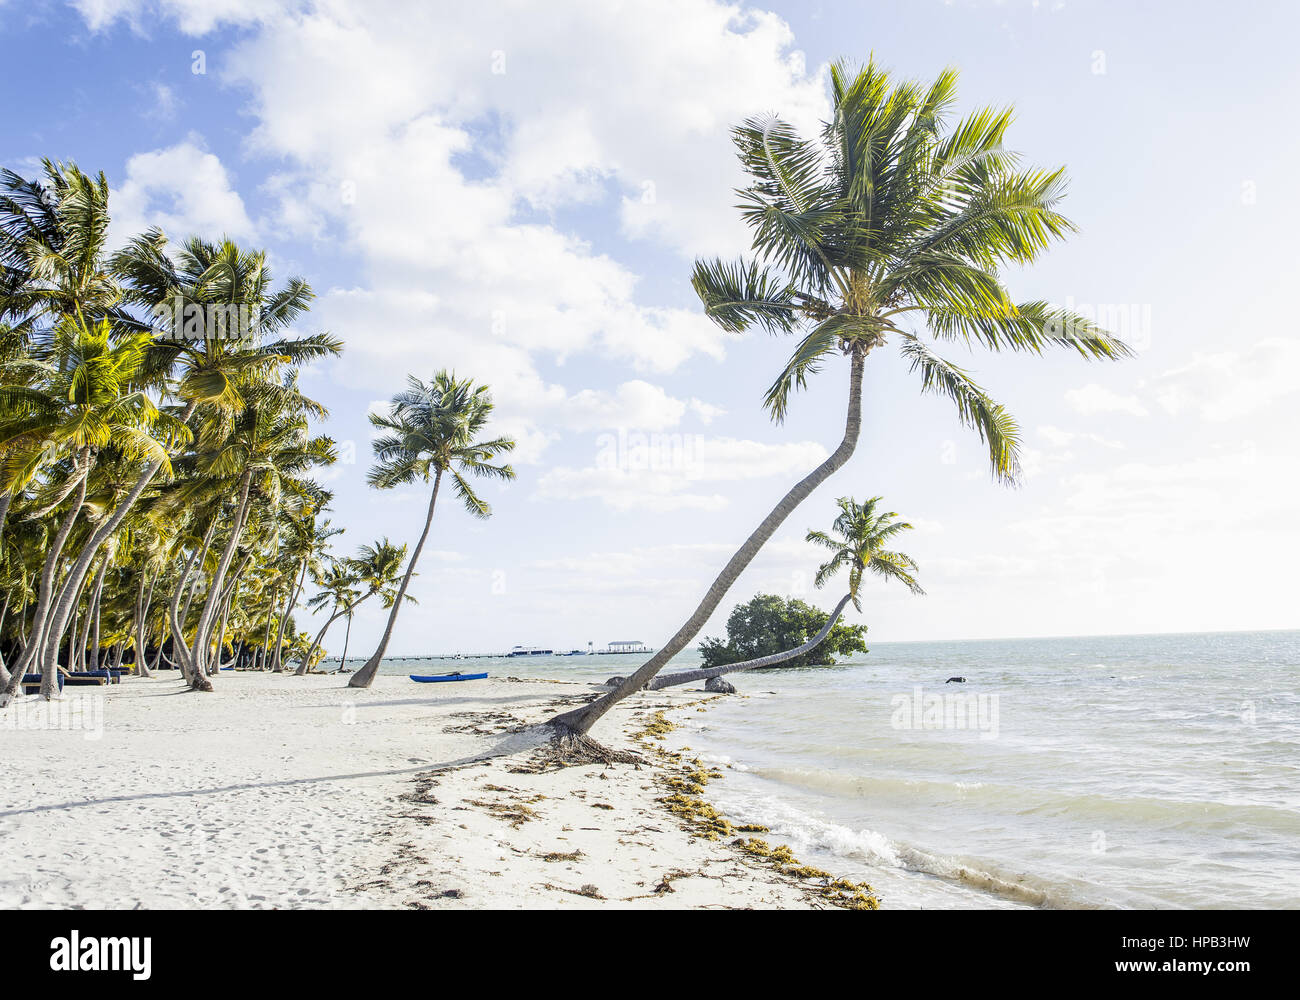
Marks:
<point>891,227</point>
<point>432,430</point>
<point>857,540</point>
<point>376,568</point>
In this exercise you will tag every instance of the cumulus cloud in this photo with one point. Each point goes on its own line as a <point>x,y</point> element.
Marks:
<point>184,190</point>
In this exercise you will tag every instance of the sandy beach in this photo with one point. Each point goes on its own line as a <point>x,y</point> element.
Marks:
<point>295,792</point>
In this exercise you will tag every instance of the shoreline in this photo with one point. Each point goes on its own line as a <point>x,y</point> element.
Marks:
<point>296,792</point>
<point>654,841</point>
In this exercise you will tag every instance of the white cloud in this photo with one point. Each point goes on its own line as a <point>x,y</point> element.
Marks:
<point>1094,398</point>
<point>706,411</point>
<point>633,404</point>
<point>183,189</point>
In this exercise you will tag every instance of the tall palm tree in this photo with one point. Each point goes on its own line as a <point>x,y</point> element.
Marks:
<point>893,225</point>
<point>432,430</point>
<point>862,532</point>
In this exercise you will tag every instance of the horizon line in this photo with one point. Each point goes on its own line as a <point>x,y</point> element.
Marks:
<point>901,642</point>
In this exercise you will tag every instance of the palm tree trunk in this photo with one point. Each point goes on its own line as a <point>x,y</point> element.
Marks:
<point>79,645</point>
<point>704,673</point>
<point>227,599</point>
<point>200,681</point>
<point>43,601</point>
<point>4,673</point>
<point>305,662</point>
<point>175,617</point>
<point>347,637</point>
<point>221,639</point>
<point>266,638</point>
<point>76,576</point>
<point>363,677</point>
<point>91,626</point>
<point>141,613</point>
<point>72,644</point>
<point>580,720</point>
<point>276,665</point>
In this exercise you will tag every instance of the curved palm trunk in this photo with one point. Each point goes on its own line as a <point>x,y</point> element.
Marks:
<point>4,673</point>
<point>142,602</point>
<point>771,660</point>
<point>347,637</point>
<point>30,651</point>
<point>200,682</point>
<point>175,617</point>
<point>303,664</point>
<point>79,644</point>
<point>363,677</point>
<point>580,720</point>
<point>88,654</point>
<point>227,599</point>
<point>276,665</point>
<point>77,575</point>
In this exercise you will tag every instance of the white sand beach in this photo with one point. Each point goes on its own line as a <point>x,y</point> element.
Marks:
<point>278,791</point>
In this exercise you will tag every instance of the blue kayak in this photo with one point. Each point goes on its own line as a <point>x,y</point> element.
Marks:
<point>435,678</point>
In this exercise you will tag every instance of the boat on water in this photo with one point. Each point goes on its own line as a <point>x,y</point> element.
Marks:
<point>438,678</point>
<point>531,651</point>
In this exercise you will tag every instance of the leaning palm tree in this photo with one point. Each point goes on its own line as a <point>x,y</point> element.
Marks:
<point>894,225</point>
<point>432,431</point>
<point>861,534</point>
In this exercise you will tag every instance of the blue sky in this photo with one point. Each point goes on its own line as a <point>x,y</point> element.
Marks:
<point>518,192</point>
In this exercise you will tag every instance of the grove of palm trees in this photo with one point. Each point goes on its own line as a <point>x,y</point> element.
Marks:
<point>158,504</point>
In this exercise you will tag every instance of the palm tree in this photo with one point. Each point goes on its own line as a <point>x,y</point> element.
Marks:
<point>862,535</point>
<point>431,431</point>
<point>894,224</point>
<point>376,567</point>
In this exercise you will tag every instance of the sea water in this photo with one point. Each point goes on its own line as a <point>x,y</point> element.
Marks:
<point>1105,771</point>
